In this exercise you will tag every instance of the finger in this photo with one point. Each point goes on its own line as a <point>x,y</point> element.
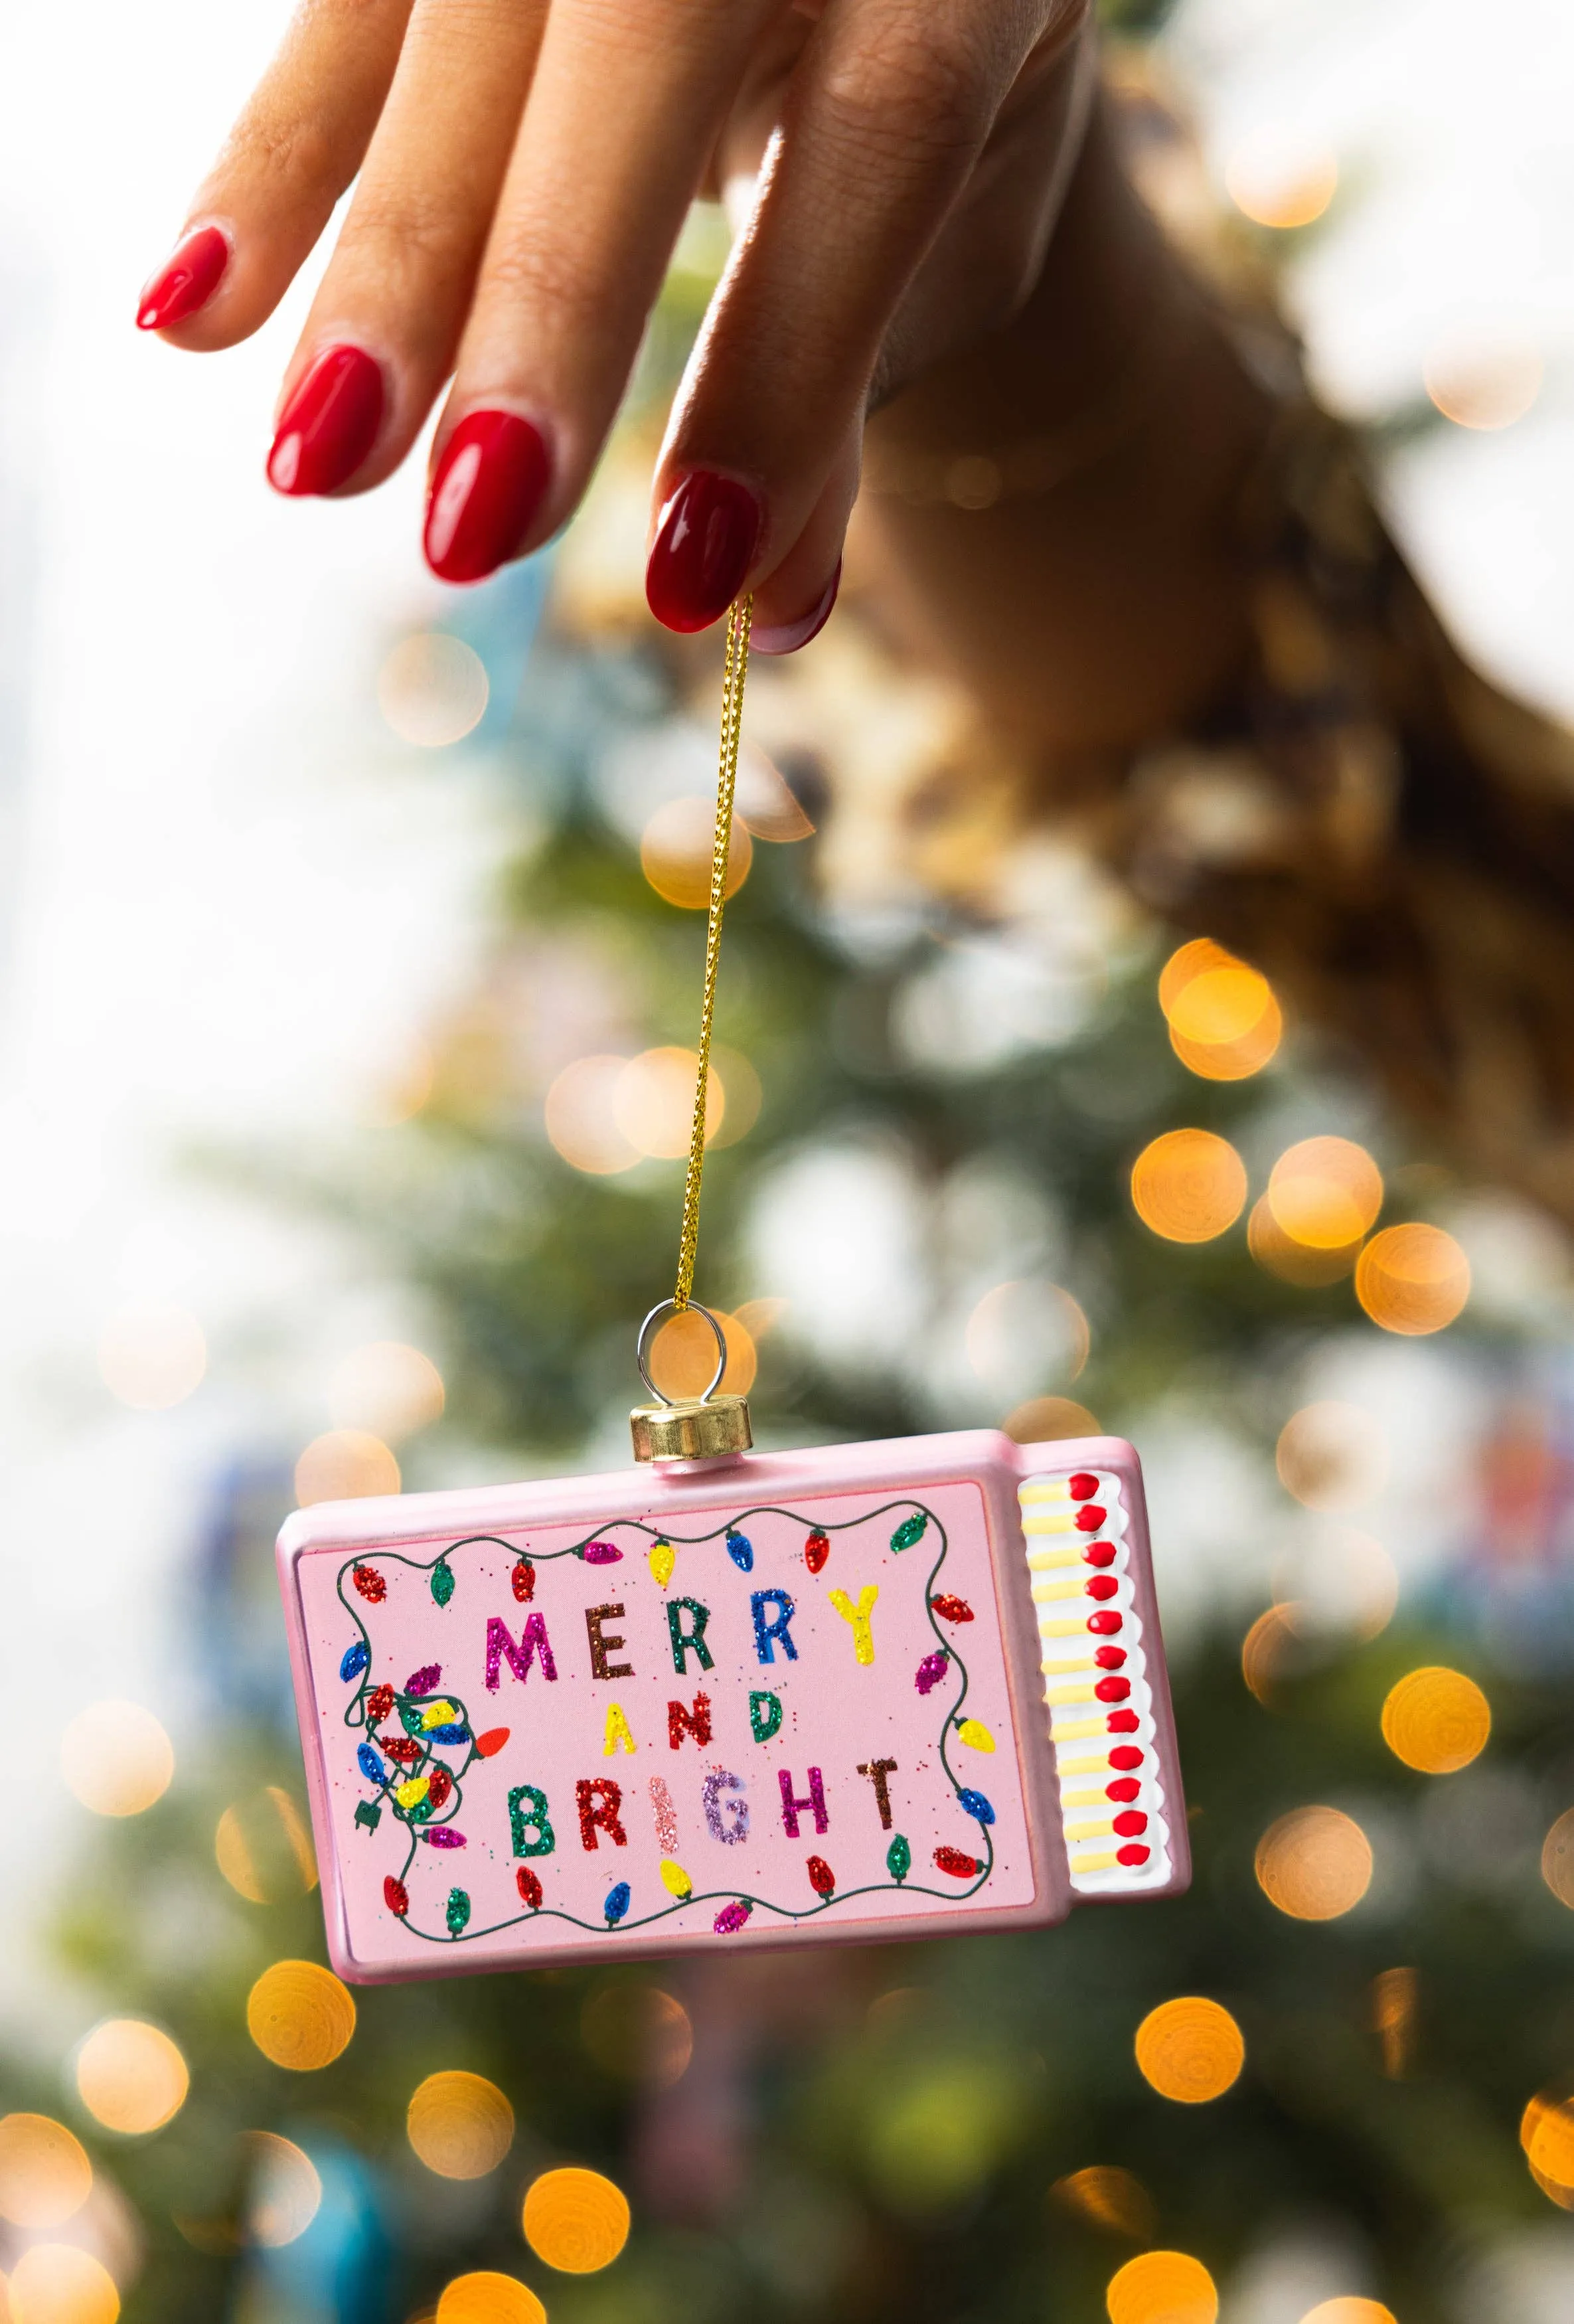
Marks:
<point>793,605</point>
<point>884,127</point>
<point>625,106</point>
<point>990,252</point>
<point>289,158</point>
<point>385,323</point>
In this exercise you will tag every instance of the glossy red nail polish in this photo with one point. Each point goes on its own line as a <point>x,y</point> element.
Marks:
<point>328,425</point>
<point>705,545</point>
<point>490,482</point>
<point>186,281</point>
<point>787,637</point>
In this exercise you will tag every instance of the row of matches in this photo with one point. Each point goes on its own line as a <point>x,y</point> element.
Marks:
<point>1094,1672</point>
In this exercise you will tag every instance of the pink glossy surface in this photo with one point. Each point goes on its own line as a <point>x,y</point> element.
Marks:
<point>837,1712</point>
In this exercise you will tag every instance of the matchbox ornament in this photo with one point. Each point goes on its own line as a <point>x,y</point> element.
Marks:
<point>728,1698</point>
<point>881,1691</point>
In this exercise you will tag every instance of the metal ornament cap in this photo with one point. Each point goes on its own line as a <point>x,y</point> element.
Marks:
<point>708,1427</point>
<point>695,1428</point>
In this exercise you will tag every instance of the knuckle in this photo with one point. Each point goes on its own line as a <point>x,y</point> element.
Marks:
<point>405,224</point>
<point>537,272</point>
<point>908,93</point>
<point>280,150</point>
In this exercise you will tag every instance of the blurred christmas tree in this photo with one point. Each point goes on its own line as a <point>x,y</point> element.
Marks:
<point>940,1060</point>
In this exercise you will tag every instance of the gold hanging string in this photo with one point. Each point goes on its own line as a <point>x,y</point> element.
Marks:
<point>733,675</point>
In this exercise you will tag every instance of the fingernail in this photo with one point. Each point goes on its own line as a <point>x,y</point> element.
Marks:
<point>490,482</point>
<point>186,281</point>
<point>705,545</point>
<point>789,636</point>
<point>328,425</point>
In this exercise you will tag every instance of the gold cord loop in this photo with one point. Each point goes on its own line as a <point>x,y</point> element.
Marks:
<point>736,670</point>
<point>708,1427</point>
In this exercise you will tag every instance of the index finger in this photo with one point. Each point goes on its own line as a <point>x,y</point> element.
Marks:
<point>296,146</point>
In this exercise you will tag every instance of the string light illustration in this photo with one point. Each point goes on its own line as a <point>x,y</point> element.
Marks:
<point>418,1744</point>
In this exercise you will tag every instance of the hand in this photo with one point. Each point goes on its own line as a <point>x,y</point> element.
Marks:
<point>894,167</point>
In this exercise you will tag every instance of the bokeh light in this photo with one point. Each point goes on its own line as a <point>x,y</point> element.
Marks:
<point>581,1117</point>
<point>675,850</point>
<point>387,1389</point>
<point>1558,1859</point>
<point>605,1113</point>
<point>1436,1720</point>
<point>1162,2287</point>
<point>1045,1419</point>
<point>1189,1185</point>
<point>900,2012</point>
<point>653,1101</point>
<point>264,1848</point>
<point>131,2075</point>
<point>1332,1456</point>
<point>683,1355</point>
<point>1562,2196</point>
<point>576,2220</point>
<point>1395,1999</point>
<point>1198,958</point>
<point>1413,1278</point>
<point>941,2129</point>
<point>300,2016</point>
<point>1233,1061</point>
<point>1348,2308</point>
<point>1336,1582</point>
<point>151,1355</point>
<point>57,2283</point>
<point>283,2191</point>
<point>116,1759</point>
<point>1109,2197</point>
<point>1483,382</point>
<point>433,690</point>
<point>1325,1193</point>
<point>460,2124</point>
<point>1224,1020</point>
<point>1270,1651</point>
<point>346,1464</point>
<point>744,1095</point>
<point>1190,2050</point>
<point>1277,1253</point>
<point>1546,2133</point>
<point>399,1093</point>
<point>1280,178</point>
<point>45,2176</point>
<point>639,2032</point>
<point>1315,1864</point>
<point>485,2297</point>
<point>1220,1005</point>
<point>1030,1328</point>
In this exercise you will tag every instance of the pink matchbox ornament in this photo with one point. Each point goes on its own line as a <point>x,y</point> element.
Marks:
<point>771,1699</point>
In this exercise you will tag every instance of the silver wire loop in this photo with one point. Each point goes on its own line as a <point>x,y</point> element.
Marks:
<point>666,1306</point>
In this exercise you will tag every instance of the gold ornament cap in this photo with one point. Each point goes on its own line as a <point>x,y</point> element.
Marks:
<point>708,1427</point>
<point>698,1428</point>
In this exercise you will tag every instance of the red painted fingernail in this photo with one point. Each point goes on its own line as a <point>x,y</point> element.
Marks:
<point>186,281</point>
<point>328,425</point>
<point>490,482</point>
<point>705,545</point>
<point>789,636</point>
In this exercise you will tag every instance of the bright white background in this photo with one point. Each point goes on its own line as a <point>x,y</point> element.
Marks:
<point>229,890</point>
